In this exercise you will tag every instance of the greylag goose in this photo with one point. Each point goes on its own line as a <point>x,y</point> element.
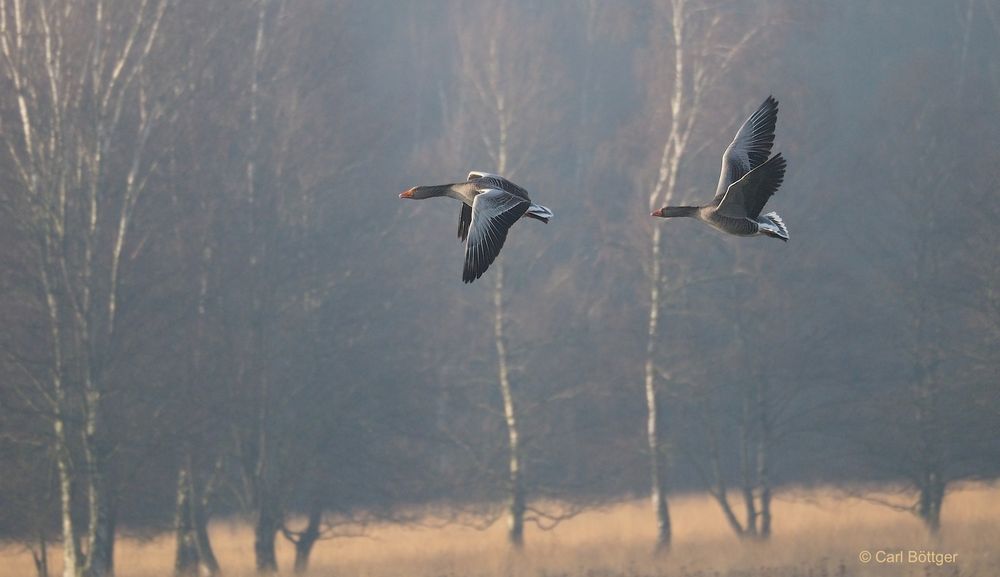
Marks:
<point>748,179</point>
<point>491,204</point>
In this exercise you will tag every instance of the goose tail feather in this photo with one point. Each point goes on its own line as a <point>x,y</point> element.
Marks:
<point>772,225</point>
<point>539,212</point>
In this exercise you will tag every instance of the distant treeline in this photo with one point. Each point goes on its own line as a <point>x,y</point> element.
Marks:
<point>215,304</point>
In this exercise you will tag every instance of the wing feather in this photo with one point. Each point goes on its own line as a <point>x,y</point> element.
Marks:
<point>750,148</point>
<point>746,197</point>
<point>494,211</point>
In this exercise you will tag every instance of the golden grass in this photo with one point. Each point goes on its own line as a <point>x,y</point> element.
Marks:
<point>816,533</point>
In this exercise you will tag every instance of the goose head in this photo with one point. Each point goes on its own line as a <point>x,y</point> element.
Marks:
<point>673,211</point>
<point>419,192</point>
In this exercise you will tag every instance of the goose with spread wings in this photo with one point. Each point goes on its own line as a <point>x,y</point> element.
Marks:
<point>491,204</point>
<point>749,178</point>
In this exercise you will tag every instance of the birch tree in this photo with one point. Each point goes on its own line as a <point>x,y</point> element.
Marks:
<point>702,46</point>
<point>503,92</point>
<point>257,459</point>
<point>86,104</point>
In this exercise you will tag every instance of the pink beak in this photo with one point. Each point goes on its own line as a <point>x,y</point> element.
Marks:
<point>656,213</point>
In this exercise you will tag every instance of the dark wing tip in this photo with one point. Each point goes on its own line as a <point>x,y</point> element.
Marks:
<point>769,106</point>
<point>468,272</point>
<point>474,268</point>
<point>779,163</point>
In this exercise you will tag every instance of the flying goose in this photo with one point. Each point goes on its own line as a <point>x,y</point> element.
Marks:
<point>491,204</point>
<point>748,179</point>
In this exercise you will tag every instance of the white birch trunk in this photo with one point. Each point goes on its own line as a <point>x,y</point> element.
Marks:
<point>690,76</point>
<point>653,417</point>
<point>100,531</point>
<point>71,550</point>
<point>516,499</point>
<point>68,114</point>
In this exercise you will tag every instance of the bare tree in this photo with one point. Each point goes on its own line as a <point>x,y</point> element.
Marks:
<point>703,47</point>
<point>929,420</point>
<point>87,105</point>
<point>736,416</point>
<point>503,91</point>
<point>194,553</point>
<point>281,268</point>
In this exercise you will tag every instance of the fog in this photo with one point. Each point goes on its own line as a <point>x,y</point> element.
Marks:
<point>212,293</point>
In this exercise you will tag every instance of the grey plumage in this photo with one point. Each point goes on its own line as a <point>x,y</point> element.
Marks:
<point>747,180</point>
<point>491,204</point>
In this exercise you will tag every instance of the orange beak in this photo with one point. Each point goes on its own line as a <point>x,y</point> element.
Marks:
<point>406,194</point>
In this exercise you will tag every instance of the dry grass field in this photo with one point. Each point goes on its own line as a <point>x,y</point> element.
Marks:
<point>817,534</point>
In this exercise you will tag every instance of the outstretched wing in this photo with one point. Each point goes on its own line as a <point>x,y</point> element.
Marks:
<point>494,211</point>
<point>749,148</point>
<point>747,196</point>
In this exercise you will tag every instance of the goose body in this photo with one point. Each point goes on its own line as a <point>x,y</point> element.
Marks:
<point>491,204</point>
<point>748,179</point>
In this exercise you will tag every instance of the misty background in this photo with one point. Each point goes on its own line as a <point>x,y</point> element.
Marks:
<point>214,304</point>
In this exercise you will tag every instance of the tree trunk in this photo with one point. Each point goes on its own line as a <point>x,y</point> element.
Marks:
<point>107,554</point>
<point>515,510</point>
<point>194,550</point>
<point>307,539</point>
<point>186,553</point>
<point>727,510</point>
<point>653,418</point>
<point>268,520</point>
<point>199,521</point>
<point>659,497</point>
<point>663,191</point>
<point>41,557</point>
<point>198,498</point>
<point>100,530</point>
<point>721,492</point>
<point>763,461</point>
<point>72,557</point>
<point>765,511</point>
<point>265,531</point>
<point>931,499</point>
<point>747,469</point>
